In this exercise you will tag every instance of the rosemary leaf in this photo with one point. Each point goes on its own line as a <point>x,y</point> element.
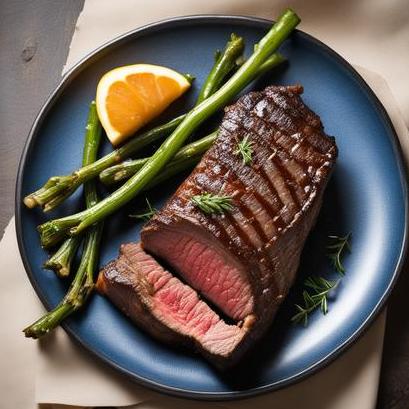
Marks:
<point>320,288</point>
<point>150,211</point>
<point>209,203</point>
<point>336,249</point>
<point>245,149</point>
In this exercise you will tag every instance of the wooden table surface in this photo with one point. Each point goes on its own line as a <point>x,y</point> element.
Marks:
<point>34,41</point>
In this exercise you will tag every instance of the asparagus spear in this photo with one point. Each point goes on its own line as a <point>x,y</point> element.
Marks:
<point>52,231</point>
<point>58,188</point>
<point>61,260</point>
<point>180,161</point>
<point>224,65</point>
<point>125,170</point>
<point>83,282</point>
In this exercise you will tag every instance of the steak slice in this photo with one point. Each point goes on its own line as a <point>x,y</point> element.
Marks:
<point>166,308</point>
<point>245,260</point>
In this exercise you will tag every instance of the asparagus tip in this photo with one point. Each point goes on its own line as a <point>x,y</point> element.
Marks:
<point>290,12</point>
<point>37,329</point>
<point>32,332</point>
<point>60,269</point>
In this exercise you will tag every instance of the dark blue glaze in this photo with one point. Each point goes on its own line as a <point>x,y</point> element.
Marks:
<point>366,196</point>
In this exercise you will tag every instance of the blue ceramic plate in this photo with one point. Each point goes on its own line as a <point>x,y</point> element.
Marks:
<point>366,196</point>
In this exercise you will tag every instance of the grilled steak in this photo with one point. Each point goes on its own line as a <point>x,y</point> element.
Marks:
<point>245,260</point>
<point>165,307</point>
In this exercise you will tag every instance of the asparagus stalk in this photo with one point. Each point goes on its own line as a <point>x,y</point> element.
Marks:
<point>125,170</point>
<point>80,289</point>
<point>225,63</point>
<point>180,161</point>
<point>61,260</point>
<point>58,188</point>
<point>83,282</point>
<point>53,230</point>
<point>271,62</point>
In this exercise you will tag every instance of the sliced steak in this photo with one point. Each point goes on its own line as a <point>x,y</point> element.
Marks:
<point>245,260</point>
<point>166,308</point>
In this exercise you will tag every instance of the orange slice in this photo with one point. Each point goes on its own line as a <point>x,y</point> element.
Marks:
<point>129,97</point>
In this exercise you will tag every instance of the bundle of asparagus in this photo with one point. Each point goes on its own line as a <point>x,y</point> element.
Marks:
<point>83,282</point>
<point>59,188</point>
<point>171,158</point>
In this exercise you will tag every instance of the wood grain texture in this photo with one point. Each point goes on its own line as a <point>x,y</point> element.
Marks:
<point>34,41</point>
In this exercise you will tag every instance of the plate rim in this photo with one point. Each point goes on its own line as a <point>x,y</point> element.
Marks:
<point>150,28</point>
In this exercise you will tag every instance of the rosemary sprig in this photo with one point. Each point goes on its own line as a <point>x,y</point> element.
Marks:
<point>210,203</point>
<point>150,211</point>
<point>317,298</point>
<point>336,249</point>
<point>245,149</point>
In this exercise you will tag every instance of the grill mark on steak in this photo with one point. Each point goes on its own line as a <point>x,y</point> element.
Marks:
<point>277,116</point>
<point>288,177</point>
<point>290,189</point>
<point>224,228</point>
<point>244,203</point>
<point>299,111</point>
<point>256,247</point>
<point>284,150</point>
<point>244,243</point>
<point>236,218</point>
<point>308,152</point>
<point>276,178</point>
<point>274,203</point>
<point>292,105</point>
<point>252,121</point>
<point>286,117</point>
<point>278,221</point>
<point>251,182</point>
<point>231,117</point>
<point>243,211</point>
<point>242,186</point>
<point>250,216</point>
<point>299,149</point>
<point>265,266</point>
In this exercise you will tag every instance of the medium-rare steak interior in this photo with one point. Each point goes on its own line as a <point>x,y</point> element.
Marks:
<point>244,259</point>
<point>165,307</point>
